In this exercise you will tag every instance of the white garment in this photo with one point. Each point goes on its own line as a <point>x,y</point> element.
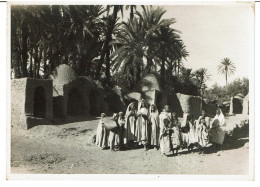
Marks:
<point>165,115</point>
<point>154,126</point>
<point>221,119</point>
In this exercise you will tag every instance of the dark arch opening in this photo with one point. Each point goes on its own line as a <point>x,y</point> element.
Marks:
<point>75,104</point>
<point>39,105</point>
<point>94,102</point>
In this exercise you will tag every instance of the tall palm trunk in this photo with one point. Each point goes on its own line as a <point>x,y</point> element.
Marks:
<point>39,65</point>
<point>226,77</point>
<point>35,62</point>
<point>107,72</point>
<point>132,13</point>
<point>45,64</point>
<point>24,49</point>
<point>31,62</point>
<point>101,61</point>
<point>109,37</point>
<point>178,67</point>
<point>162,73</point>
<point>175,67</point>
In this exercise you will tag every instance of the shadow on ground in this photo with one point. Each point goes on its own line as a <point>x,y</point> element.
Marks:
<point>73,119</point>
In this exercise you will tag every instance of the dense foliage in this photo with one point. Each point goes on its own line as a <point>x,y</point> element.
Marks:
<point>224,93</point>
<point>95,43</point>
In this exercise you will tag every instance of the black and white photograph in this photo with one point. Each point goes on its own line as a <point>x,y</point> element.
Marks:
<point>131,89</point>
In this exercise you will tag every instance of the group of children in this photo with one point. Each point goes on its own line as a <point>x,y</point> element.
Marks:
<point>145,126</point>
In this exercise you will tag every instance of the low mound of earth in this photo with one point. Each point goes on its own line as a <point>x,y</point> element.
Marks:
<point>68,149</point>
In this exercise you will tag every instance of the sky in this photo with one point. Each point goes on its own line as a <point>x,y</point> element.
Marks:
<point>214,32</point>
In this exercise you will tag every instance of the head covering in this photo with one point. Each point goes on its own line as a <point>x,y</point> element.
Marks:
<point>185,119</point>
<point>140,104</point>
<point>128,109</point>
<point>155,113</point>
<point>103,115</point>
<point>114,117</point>
<point>221,118</point>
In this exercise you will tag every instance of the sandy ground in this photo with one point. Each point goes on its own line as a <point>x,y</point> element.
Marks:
<point>67,149</point>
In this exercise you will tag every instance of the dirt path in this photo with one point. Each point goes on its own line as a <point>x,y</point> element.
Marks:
<point>67,149</point>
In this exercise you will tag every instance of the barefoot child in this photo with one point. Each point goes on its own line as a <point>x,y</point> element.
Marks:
<point>192,136</point>
<point>175,136</point>
<point>114,135</point>
<point>102,133</point>
<point>202,133</point>
<point>121,123</point>
<point>165,141</point>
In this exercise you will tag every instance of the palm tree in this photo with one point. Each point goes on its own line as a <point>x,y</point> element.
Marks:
<point>129,53</point>
<point>111,23</point>
<point>132,8</point>
<point>226,67</point>
<point>45,36</point>
<point>201,76</point>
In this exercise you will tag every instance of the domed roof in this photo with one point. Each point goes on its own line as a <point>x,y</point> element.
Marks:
<point>149,82</point>
<point>239,96</point>
<point>63,74</point>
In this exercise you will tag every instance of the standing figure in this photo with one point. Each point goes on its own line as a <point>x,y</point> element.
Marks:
<point>114,135</point>
<point>154,126</point>
<point>141,131</point>
<point>121,124</point>
<point>204,116</point>
<point>216,133</point>
<point>193,139</point>
<point>221,118</point>
<point>185,128</point>
<point>189,136</point>
<point>165,139</point>
<point>202,133</point>
<point>176,134</point>
<point>102,133</point>
<point>166,113</point>
<point>130,123</point>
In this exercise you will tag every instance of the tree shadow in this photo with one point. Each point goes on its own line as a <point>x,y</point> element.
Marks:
<point>72,119</point>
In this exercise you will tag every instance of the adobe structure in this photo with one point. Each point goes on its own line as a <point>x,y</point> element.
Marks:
<point>246,105</point>
<point>236,104</point>
<point>149,89</point>
<point>31,102</point>
<point>74,95</point>
<point>39,101</point>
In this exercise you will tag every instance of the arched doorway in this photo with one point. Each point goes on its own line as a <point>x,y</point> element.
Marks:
<point>75,104</point>
<point>94,102</point>
<point>39,104</point>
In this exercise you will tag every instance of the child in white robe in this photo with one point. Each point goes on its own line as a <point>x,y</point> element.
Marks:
<point>102,133</point>
<point>130,125</point>
<point>154,127</point>
<point>121,123</point>
<point>216,133</point>
<point>176,134</point>
<point>114,136</point>
<point>141,131</point>
<point>202,133</point>
<point>165,139</point>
